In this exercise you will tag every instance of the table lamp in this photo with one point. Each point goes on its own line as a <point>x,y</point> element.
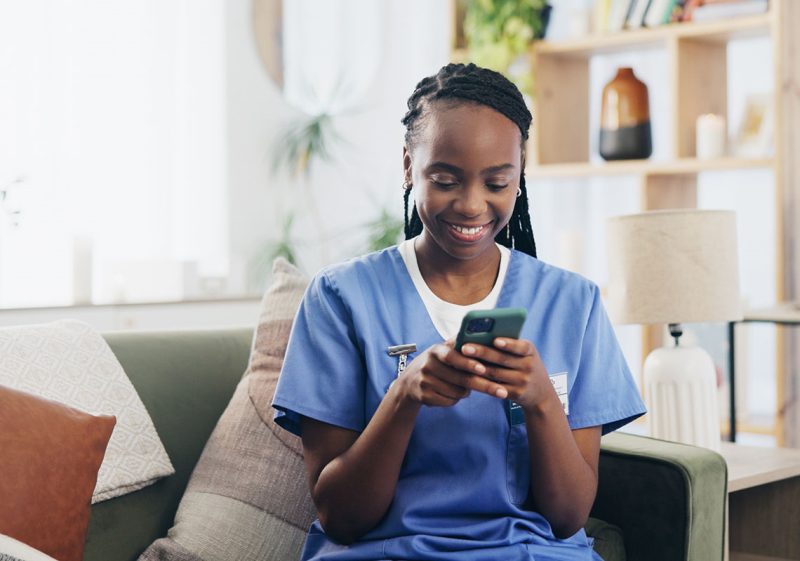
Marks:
<point>673,267</point>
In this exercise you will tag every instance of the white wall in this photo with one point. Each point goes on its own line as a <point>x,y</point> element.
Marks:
<point>367,170</point>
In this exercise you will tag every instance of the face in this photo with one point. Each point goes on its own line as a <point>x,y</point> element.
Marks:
<point>464,169</point>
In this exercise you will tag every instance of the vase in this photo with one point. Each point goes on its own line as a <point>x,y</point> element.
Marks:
<point>625,119</point>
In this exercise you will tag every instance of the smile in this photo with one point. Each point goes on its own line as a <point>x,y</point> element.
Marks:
<point>467,233</point>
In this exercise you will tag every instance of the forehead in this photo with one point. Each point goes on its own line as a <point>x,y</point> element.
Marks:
<point>451,131</point>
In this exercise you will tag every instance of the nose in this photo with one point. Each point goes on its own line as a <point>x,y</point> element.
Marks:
<point>470,202</point>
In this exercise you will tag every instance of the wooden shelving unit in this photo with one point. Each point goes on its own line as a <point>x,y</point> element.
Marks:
<point>679,166</point>
<point>697,54</point>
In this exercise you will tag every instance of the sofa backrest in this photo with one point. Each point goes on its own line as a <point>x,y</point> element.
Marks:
<point>185,380</point>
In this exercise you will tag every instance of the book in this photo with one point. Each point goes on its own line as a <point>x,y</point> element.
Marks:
<point>677,11</point>
<point>656,12</point>
<point>636,15</point>
<point>602,15</point>
<point>689,8</point>
<point>725,10</point>
<point>617,15</point>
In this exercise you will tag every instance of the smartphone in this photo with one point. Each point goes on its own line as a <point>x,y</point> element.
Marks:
<point>483,326</point>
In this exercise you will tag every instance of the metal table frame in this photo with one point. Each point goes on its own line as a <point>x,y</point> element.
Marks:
<point>786,313</point>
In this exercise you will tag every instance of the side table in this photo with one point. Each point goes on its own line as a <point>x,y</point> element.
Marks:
<point>763,503</point>
<point>785,313</point>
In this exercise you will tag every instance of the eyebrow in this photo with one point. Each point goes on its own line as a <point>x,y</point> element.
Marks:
<point>454,169</point>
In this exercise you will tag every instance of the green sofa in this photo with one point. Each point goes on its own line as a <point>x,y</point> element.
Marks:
<point>668,499</point>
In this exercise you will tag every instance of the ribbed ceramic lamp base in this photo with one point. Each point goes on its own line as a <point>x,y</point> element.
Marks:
<point>680,386</point>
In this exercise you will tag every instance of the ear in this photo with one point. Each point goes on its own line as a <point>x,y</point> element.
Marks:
<point>407,165</point>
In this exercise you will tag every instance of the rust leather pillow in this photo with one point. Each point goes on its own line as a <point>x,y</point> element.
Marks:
<point>48,469</point>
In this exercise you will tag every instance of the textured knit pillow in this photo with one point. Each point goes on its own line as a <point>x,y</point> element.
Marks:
<point>13,550</point>
<point>70,362</point>
<point>49,458</point>
<point>248,496</point>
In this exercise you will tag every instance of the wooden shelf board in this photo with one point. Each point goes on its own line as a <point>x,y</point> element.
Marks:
<point>642,167</point>
<point>787,313</point>
<point>652,38</point>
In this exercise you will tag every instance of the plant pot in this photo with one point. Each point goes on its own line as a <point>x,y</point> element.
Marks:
<point>625,132</point>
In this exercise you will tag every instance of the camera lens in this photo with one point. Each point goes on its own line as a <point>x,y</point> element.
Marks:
<point>480,325</point>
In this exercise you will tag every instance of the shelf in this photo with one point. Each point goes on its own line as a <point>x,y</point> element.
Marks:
<point>750,27</point>
<point>643,167</point>
<point>785,313</point>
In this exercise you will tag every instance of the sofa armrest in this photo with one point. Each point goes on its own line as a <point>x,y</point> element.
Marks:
<point>668,498</point>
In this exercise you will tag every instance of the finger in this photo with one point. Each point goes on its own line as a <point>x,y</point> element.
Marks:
<point>451,357</point>
<point>519,347</point>
<point>475,382</point>
<point>439,392</point>
<point>489,356</point>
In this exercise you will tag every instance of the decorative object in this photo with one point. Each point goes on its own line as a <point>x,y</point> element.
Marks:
<point>580,23</point>
<point>49,461</point>
<point>712,136</point>
<point>754,138</point>
<point>625,119</point>
<point>248,496</point>
<point>672,267</point>
<point>499,34</point>
<point>69,361</point>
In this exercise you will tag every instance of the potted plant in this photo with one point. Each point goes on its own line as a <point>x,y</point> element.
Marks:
<point>499,34</point>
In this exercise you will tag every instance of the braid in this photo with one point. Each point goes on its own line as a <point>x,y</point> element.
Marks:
<point>481,86</point>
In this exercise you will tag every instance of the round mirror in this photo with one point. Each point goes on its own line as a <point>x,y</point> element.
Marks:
<point>322,54</point>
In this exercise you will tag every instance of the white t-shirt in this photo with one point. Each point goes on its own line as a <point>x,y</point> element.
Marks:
<point>447,317</point>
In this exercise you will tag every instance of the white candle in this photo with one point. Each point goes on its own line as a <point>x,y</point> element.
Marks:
<point>712,136</point>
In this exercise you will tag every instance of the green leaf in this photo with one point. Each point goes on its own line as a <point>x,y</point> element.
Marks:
<point>304,142</point>
<point>385,231</point>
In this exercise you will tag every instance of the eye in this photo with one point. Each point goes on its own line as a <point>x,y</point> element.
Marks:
<point>497,187</point>
<point>444,183</point>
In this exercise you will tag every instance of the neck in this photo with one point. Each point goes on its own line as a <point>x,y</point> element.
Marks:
<point>458,281</point>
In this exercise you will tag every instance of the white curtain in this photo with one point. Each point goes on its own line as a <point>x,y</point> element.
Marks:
<point>114,113</point>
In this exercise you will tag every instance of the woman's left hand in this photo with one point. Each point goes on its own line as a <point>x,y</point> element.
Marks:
<point>517,366</point>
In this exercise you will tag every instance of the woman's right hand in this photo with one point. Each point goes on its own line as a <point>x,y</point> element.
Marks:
<point>441,377</point>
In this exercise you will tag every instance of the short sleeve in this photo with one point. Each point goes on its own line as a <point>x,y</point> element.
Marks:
<point>604,392</point>
<point>323,375</point>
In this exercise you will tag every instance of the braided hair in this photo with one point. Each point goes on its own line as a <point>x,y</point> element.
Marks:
<point>473,84</point>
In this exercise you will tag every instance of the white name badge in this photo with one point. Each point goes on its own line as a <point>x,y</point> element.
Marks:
<point>560,384</point>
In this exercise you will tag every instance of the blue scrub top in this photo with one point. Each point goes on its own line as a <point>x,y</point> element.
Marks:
<point>463,489</point>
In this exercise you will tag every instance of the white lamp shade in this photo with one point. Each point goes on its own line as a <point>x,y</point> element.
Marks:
<point>673,266</point>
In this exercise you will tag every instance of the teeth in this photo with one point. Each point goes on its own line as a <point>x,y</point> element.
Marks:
<point>468,231</point>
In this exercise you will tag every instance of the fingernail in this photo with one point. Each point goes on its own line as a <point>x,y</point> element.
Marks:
<point>468,350</point>
<point>501,393</point>
<point>499,343</point>
<point>480,369</point>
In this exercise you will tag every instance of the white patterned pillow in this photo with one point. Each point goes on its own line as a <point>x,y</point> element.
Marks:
<point>68,361</point>
<point>13,550</point>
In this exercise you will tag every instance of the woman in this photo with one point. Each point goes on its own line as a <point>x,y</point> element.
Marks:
<point>467,455</point>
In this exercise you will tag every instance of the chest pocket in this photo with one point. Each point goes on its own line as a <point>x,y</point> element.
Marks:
<point>518,465</point>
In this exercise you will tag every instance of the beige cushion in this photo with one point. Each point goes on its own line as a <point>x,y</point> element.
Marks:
<point>70,362</point>
<point>248,496</point>
<point>49,458</point>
